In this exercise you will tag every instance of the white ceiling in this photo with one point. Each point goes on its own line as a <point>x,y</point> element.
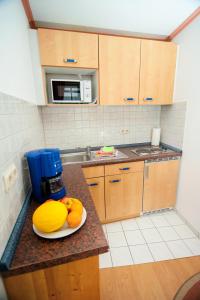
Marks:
<point>156,17</point>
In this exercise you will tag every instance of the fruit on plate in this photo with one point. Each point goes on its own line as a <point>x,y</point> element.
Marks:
<point>74,219</point>
<point>72,204</point>
<point>77,206</point>
<point>50,216</point>
<point>67,201</point>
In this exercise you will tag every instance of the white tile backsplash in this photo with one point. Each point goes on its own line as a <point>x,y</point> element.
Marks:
<point>172,122</point>
<point>68,128</point>
<point>21,130</point>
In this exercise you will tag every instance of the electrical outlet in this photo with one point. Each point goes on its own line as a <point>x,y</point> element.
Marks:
<point>124,131</point>
<point>10,177</point>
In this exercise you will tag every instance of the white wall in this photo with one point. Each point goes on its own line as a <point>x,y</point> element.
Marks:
<point>16,75</point>
<point>37,70</point>
<point>188,88</point>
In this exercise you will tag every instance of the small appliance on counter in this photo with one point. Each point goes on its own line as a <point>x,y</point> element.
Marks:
<point>45,169</point>
<point>155,138</point>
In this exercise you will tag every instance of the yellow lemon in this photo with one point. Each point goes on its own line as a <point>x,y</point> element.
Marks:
<point>50,216</point>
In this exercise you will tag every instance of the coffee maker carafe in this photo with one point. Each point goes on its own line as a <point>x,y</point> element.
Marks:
<point>45,169</point>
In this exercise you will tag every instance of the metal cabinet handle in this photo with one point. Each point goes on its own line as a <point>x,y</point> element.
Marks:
<point>129,99</point>
<point>93,184</point>
<point>70,60</point>
<point>124,169</point>
<point>148,99</point>
<point>115,180</point>
<point>146,172</point>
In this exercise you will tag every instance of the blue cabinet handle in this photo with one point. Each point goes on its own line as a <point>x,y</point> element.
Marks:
<point>93,184</point>
<point>129,99</point>
<point>70,60</point>
<point>148,99</point>
<point>124,169</point>
<point>115,180</point>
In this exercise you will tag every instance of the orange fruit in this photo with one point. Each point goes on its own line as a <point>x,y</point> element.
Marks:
<point>67,201</point>
<point>76,206</point>
<point>74,219</point>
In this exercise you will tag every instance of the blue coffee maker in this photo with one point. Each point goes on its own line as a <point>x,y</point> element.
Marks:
<point>45,169</point>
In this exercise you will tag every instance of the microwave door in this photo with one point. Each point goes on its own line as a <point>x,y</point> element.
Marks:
<point>58,88</point>
<point>82,90</point>
<point>67,95</point>
<point>75,93</point>
<point>66,91</point>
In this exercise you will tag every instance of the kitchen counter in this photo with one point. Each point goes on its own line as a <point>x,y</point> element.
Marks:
<point>131,157</point>
<point>34,253</point>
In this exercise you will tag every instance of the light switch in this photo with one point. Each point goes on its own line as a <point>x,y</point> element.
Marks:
<point>10,177</point>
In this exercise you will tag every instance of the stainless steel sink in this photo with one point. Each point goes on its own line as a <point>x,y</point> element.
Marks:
<point>68,158</point>
<point>75,157</point>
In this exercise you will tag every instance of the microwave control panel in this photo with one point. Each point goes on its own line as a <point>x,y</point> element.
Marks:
<point>87,91</point>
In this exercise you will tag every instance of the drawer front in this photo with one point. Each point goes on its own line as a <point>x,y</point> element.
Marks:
<point>91,172</point>
<point>122,168</point>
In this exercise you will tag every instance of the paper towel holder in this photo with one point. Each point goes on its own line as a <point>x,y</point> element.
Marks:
<point>155,138</point>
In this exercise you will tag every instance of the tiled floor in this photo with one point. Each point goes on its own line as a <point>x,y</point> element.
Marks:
<point>154,237</point>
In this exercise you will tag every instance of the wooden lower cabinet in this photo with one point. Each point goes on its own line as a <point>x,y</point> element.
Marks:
<point>96,187</point>
<point>78,280</point>
<point>123,195</point>
<point>160,184</point>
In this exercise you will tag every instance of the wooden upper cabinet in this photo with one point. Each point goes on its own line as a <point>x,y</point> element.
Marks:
<point>119,64</point>
<point>158,63</point>
<point>58,46</point>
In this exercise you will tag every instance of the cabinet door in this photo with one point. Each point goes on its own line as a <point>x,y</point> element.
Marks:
<point>160,184</point>
<point>158,62</point>
<point>123,195</point>
<point>96,186</point>
<point>58,46</point>
<point>119,63</point>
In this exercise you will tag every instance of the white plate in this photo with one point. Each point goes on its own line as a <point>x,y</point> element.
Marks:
<point>64,231</point>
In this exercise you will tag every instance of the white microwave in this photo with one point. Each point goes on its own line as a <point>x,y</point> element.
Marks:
<point>71,91</point>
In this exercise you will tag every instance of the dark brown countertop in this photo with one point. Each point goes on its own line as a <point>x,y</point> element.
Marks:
<point>131,157</point>
<point>33,253</point>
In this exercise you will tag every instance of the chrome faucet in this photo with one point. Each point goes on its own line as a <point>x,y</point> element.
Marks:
<point>88,151</point>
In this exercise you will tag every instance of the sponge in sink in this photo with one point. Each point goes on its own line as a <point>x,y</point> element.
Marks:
<point>107,149</point>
